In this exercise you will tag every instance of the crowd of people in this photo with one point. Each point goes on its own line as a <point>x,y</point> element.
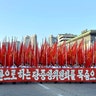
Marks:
<point>47,66</point>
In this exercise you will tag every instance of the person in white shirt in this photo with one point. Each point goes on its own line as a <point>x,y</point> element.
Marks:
<point>13,66</point>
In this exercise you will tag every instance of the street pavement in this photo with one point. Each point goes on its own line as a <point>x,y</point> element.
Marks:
<point>48,89</point>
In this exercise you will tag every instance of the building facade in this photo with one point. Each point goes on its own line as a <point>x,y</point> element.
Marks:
<point>52,40</point>
<point>64,37</point>
<point>30,39</point>
<point>60,38</point>
<point>89,36</point>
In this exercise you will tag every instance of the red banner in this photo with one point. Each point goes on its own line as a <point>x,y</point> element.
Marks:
<point>47,75</point>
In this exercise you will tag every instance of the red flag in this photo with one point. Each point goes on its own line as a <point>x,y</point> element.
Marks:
<point>28,54</point>
<point>3,54</point>
<point>74,53</point>
<point>32,56</point>
<point>36,56</point>
<point>69,54</point>
<point>43,54</point>
<point>20,59</point>
<point>94,53</point>
<point>9,55</point>
<point>89,57</point>
<point>64,54</point>
<point>0,54</point>
<point>80,53</point>
<point>48,56</point>
<point>59,56</point>
<point>54,54</point>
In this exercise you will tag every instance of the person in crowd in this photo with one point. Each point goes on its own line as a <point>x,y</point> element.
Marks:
<point>1,65</point>
<point>14,66</point>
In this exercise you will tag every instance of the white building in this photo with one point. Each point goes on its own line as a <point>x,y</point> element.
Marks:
<point>52,40</point>
<point>30,39</point>
<point>64,37</point>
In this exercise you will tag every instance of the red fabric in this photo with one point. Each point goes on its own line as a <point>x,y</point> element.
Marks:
<point>48,74</point>
<point>80,53</point>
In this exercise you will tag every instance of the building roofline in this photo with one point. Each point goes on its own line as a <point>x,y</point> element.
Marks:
<point>82,35</point>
